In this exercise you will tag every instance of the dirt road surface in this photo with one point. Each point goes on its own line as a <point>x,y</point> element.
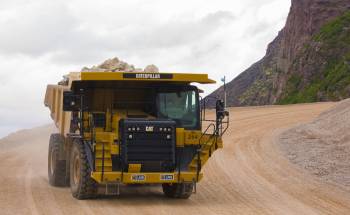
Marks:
<point>249,176</point>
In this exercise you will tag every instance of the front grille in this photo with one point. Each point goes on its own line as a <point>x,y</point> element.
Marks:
<point>150,143</point>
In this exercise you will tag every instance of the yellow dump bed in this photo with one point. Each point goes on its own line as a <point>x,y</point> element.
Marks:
<point>54,101</point>
<point>133,76</point>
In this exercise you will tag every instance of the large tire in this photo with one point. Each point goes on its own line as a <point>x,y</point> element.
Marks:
<point>178,190</point>
<point>81,184</point>
<point>56,167</point>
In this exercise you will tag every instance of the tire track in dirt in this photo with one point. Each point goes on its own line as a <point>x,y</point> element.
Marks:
<point>248,176</point>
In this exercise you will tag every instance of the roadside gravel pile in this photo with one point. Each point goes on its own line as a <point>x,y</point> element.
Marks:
<point>322,147</point>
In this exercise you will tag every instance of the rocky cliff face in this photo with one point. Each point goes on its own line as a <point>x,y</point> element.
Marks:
<point>313,44</point>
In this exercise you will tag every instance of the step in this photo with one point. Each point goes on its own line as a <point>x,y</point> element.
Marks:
<point>106,169</point>
<point>99,154</point>
<point>98,147</point>
<point>107,162</point>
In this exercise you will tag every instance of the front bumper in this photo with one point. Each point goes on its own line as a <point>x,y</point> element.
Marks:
<point>145,177</point>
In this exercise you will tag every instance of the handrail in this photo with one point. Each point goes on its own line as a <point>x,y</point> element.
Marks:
<point>221,131</point>
<point>93,139</point>
<point>199,162</point>
<point>203,104</point>
<point>103,161</point>
<point>205,131</point>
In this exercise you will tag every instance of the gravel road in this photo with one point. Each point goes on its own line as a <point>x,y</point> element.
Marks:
<point>249,176</point>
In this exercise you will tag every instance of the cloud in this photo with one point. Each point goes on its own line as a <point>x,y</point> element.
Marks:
<point>180,33</point>
<point>37,29</point>
<point>54,30</point>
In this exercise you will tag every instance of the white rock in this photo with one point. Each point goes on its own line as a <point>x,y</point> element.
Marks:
<point>151,69</point>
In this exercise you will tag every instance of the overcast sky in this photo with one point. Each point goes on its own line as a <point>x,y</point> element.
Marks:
<point>42,40</point>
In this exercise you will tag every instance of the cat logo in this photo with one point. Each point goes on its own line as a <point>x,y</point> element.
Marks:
<point>148,76</point>
<point>149,128</point>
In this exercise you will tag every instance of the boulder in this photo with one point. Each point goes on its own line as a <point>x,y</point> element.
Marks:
<point>151,69</point>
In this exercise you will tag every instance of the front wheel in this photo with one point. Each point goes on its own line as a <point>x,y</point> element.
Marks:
<point>178,190</point>
<point>81,184</point>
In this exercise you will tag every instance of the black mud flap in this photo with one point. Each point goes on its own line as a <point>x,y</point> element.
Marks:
<point>89,155</point>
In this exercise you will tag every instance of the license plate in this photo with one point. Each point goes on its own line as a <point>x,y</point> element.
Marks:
<point>166,177</point>
<point>138,177</point>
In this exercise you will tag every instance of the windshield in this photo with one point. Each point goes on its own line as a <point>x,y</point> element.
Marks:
<point>181,107</point>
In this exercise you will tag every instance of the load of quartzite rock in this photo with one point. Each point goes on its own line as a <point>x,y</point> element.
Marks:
<point>114,65</point>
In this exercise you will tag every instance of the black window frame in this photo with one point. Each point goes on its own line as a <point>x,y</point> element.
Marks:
<point>177,89</point>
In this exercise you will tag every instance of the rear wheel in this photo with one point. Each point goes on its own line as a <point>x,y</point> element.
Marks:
<point>56,167</point>
<point>81,183</point>
<point>178,190</point>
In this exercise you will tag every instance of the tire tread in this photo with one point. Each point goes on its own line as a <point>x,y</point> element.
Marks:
<point>87,187</point>
<point>178,190</point>
<point>59,177</point>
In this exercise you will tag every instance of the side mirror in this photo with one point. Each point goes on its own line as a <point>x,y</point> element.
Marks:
<point>71,102</point>
<point>220,109</point>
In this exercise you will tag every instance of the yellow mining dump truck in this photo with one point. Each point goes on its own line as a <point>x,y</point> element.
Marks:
<point>130,128</point>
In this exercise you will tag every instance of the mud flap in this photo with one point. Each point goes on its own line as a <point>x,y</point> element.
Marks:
<point>61,151</point>
<point>89,156</point>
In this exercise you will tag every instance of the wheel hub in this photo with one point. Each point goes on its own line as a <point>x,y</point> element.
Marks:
<point>52,162</point>
<point>76,169</point>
